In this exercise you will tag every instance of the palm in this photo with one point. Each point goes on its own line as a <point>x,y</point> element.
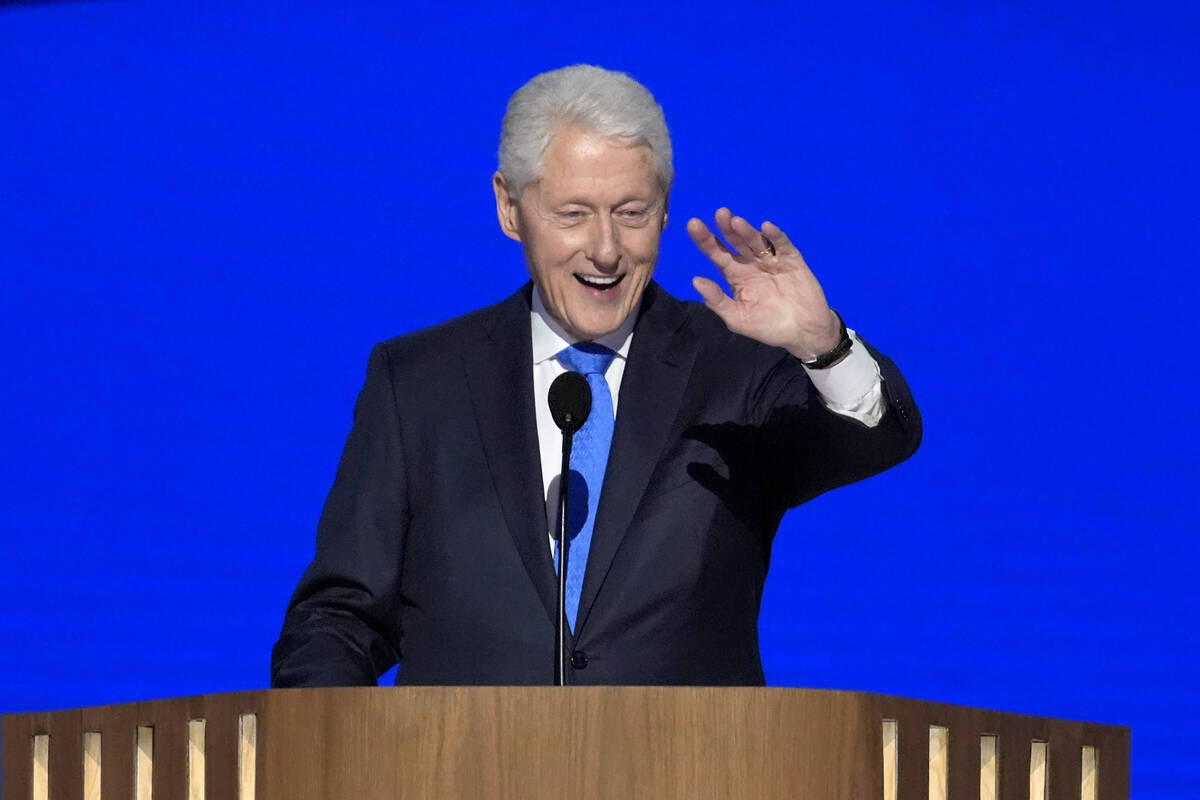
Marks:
<point>775,297</point>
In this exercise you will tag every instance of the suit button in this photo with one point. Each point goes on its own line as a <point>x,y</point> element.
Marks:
<point>579,659</point>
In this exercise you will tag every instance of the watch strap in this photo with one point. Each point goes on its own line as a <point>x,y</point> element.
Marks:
<point>826,360</point>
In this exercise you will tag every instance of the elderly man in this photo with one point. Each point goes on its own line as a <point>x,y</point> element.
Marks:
<point>708,423</point>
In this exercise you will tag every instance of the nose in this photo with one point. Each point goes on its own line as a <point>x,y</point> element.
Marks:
<point>604,250</point>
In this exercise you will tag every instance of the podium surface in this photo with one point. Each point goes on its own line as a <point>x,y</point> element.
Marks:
<point>548,742</point>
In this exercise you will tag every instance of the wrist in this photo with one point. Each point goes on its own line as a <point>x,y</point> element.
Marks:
<point>833,355</point>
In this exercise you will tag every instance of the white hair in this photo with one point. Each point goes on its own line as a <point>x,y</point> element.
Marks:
<point>591,98</point>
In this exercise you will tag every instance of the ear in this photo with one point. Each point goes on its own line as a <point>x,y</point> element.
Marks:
<point>666,211</point>
<point>506,208</point>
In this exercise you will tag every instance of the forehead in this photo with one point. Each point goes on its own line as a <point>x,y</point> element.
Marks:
<point>581,161</point>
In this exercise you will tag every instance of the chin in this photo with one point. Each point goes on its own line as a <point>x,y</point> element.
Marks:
<point>587,334</point>
<point>598,326</point>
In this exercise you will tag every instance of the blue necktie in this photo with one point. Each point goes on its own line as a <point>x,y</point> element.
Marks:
<point>589,458</point>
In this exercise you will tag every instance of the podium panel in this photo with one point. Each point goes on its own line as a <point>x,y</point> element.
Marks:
<point>578,742</point>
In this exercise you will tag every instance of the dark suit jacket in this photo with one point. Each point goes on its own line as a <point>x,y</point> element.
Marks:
<point>433,548</point>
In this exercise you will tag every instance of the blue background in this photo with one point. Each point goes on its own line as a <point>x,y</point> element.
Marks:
<point>209,213</point>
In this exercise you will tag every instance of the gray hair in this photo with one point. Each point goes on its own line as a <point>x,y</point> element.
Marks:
<point>594,99</point>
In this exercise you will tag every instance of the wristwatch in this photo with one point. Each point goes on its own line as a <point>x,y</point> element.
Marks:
<point>826,360</point>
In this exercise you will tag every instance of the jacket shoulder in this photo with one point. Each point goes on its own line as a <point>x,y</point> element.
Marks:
<point>457,336</point>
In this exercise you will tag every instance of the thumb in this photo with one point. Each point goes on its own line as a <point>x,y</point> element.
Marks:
<point>720,303</point>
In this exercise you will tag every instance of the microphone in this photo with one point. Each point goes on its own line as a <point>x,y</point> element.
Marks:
<point>570,400</point>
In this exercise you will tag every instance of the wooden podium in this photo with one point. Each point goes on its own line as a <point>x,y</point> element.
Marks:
<point>578,742</point>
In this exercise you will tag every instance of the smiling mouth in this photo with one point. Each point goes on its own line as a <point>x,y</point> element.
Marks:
<point>601,282</point>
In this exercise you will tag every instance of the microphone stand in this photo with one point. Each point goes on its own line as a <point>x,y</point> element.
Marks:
<point>560,629</point>
<point>570,400</point>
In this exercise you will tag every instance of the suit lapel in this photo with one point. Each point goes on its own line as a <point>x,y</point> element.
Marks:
<point>500,374</point>
<point>660,363</point>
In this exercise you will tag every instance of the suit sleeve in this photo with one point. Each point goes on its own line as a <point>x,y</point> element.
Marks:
<point>341,626</point>
<point>812,449</point>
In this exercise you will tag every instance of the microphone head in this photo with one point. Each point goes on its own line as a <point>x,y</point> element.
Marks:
<point>570,401</point>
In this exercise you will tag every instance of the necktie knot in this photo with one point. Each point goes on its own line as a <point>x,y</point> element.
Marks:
<point>588,358</point>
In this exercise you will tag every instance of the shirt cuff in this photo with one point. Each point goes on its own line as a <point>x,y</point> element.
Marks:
<point>852,387</point>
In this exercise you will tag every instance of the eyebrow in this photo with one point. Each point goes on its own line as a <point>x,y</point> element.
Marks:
<point>623,201</point>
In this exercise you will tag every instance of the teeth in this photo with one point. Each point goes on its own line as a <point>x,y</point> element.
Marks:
<point>598,281</point>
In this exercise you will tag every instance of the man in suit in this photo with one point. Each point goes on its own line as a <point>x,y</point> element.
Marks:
<point>708,423</point>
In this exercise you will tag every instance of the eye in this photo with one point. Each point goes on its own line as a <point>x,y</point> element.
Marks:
<point>633,216</point>
<point>570,215</point>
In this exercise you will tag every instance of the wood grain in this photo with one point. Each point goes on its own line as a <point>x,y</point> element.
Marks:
<point>41,767</point>
<point>195,759</point>
<point>546,742</point>
<point>891,757</point>
<point>989,768</point>
<point>1090,773</point>
<point>939,762</point>
<point>1038,765</point>
<point>143,773</point>
<point>247,755</point>
<point>92,764</point>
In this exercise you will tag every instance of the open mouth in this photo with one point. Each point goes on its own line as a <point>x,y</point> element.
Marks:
<point>600,282</point>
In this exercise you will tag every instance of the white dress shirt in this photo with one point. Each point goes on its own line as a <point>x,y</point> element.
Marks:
<point>852,387</point>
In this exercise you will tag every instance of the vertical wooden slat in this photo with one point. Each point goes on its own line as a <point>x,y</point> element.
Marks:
<point>66,754</point>
<point>16,758</point>
<point>891,732</point>
<point>1038,766</point>
<point>143,765</point>
<point>169,721</point>
<point>1012,750</point>
<point>195,760</point>
<point>1112,747</point>
<point>962,780</point>
<point>92,765</point>
<point>220,746</point>
<point>1090,768</point>
<point>939,765</point>
<point>116,725</point>
<point>912,770</point>
<point>41,767</point>
<point>989,768</point>
<point>247,755</point>
<point>1062,760</point>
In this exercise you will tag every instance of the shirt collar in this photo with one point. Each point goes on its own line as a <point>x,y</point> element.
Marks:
<point>549,338</point>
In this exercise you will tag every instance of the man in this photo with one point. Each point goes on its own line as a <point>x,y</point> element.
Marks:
<point>434,548</point>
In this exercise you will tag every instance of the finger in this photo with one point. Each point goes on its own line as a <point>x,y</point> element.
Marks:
<point>783,245</point>
<point>750,244</point>
<point>724,218</point>
<point>758,244</point>
<point>708,243</point>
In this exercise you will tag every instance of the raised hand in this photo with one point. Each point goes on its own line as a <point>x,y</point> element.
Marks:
<point>776,299</point>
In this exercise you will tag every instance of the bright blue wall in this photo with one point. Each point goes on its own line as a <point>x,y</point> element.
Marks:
<point>208,214</point>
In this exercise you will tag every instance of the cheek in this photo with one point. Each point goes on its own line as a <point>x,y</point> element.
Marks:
<point>643,247</point>
<point>556,250</point>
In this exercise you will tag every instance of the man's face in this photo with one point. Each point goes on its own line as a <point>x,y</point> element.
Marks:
<point>590,226</point>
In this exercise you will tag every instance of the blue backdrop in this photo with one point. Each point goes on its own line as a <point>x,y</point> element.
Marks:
<point>209,213</point>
